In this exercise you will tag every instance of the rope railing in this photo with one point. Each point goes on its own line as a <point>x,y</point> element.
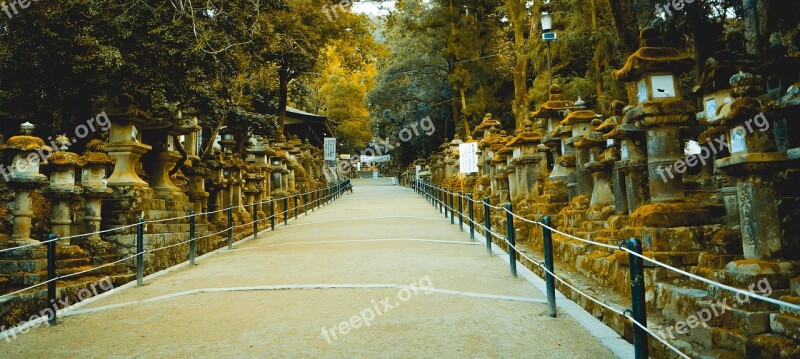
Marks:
<point>333,192</point>
<point>435,194</point>
<point>75,236</point>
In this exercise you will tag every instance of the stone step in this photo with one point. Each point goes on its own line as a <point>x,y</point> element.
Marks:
<point>668,239</point>
<point>73,262</point>
<point>793,299</point>
<point>672,258</point>
<point>593,226</point>
<point>716,261</point>
<point>744,302</point>
<point>14,266</point>
<point>678,303</point>
<point>771,275</point>
<point>165,227</point>
<point>771,346</point>
<point>159,214</point>
<point>785,324</point>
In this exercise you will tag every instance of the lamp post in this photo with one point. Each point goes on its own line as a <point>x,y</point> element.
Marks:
<point>548,35</point>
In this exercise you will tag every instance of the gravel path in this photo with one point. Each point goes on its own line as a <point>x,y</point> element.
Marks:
<point>378,273</point>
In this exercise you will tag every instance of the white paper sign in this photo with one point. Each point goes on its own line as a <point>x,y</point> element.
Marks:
<point>376,159</point>
<point>468,157</point>
<point>330,149</point>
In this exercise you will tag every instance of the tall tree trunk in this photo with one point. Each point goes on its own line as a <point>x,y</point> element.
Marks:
<point>598,69</point>
<point>464,116</point>
<point>454,108</point>
<point>283,95</point>
<point>626,24</point>
<point>517,14</point>
<point>755,26</point>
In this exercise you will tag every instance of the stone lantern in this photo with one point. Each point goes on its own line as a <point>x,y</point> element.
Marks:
<point>197,171</point>
<point>753,162</point>
<point>164,158</point>
<point>307,159</point>
<point>93,180</point>
<point>527,159</point>
<point>780,71</point>
<point>453,163</point>
<point>232,171</point>
<point>293,150</point>
<point>565,168</point>
<point>579,122</point>
<point>598,165</point>
<point>261,164</point>
<point>63,190</point>
<point>24,179</point>
<point>714,84</point>
<point>124,142</point>
<point>550,114</point>
<point>510,168</point>
<point>499,162</point>
<point>216,183</point>
<point>630,172</point>
<point>660,111</point>
<point>276,170</point>
<point>441,163</point>
<point>251,190</point>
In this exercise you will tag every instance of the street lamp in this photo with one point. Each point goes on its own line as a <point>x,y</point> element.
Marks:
<point>548,35</point>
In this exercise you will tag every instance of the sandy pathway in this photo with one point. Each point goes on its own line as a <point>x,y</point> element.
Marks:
<point>351,260</point>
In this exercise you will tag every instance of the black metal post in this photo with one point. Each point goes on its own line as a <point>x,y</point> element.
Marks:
<point>512,253</point>
<point>139,252</point>
<point>255,221</point>
<point>444,203</point>
<point>452,208</point>
<point>296,206</point>
<point>471,217</point>
<point>191,238</point>
<point>487,222</point>
<point>547,234</point>
<point>230,227</point>
<point>51,275</point>
<point>272,213</point>
<point>286,210</point>
<point>639,307</point>
<point>460,212</point>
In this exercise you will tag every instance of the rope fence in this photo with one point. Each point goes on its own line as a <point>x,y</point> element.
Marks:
<point>317,200</point>
<point>443,199</point>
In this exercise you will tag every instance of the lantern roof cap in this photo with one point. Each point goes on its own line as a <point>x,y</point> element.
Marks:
<point>652,57</point>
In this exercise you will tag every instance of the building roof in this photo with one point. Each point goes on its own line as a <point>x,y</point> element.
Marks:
<point>307,125</point>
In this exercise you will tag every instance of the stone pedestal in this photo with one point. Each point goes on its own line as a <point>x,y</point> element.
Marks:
<point>159,172</point>
<point>602,193</point>
<point>197,191</point>
<point>637,191</point>
<point>62,192</point>
<point>23,207</point>
<point>94,187</point>
<point>24,179</point>
<point>126,155</point>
